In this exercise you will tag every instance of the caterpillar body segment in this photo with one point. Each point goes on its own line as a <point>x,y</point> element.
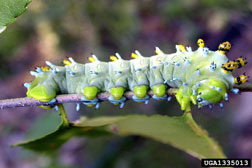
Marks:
<point>118,80</point>
<point>203,77</point>
<point>139,79</point>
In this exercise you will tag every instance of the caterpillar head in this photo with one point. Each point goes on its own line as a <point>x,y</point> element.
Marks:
<point>210,92</point>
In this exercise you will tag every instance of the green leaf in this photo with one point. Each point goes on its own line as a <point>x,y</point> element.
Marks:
<point>181,132</point>
<point>9,10</point>
<point>62,134</point>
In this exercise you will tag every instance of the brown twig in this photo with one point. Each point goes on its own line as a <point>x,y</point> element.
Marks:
<point>75,98</point>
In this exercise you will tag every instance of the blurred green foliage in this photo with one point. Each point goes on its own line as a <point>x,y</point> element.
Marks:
<point>168,130</point>
<point>9,10</point>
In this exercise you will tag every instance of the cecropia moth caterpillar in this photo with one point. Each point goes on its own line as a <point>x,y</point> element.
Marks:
<point>203,77</point>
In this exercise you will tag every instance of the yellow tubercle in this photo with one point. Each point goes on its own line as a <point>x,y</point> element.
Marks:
<point>241,79</point>
<point>66,62</point>
<point>230,66</point>
<point>222,52</point>
<point>91,59</point>
<point>181,48</point>
<point>158,51</point>
<point>45,68</point>
<point>225,71</point>
<point>224,47</point>
<point>135,56</point>
<point>113,58</point>
<point>241,62</point>
<point>201,43</point>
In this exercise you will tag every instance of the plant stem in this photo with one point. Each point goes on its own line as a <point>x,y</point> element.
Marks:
<point>63,115</point>
<point>244,87</point>
<point>202,133</point>
<point>67,98</point>
<point>76,98</point>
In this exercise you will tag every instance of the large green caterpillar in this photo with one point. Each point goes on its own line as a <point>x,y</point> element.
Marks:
<point>203,77</point>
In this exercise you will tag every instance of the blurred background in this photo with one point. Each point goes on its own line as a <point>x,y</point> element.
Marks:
<point>54,30</point>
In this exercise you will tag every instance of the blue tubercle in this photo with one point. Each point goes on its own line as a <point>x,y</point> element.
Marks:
<point>33,73</point>
<point>50,64</point>
<point>212,67</point>
<point>122,104</point>
<point>210,106</point>
<point>175,79</point>
<point>56,108</point>
<point>39,70</point>
<point>226,97</point>
<point>121,101</point>
<point>98,105</point>
<point>235,90</point>
<point>154,67</point>
<point>198,84</point>
<point>27,85</point>
<point>54,71</point>
<point>78,107</point>
<point>166,63</point>
<point>112,100</point>
<point>145,99</point>
<point>159,98</point>
<point>188,62</point>
<point>185,83</point>
<point>198,72</point>
<point>205,51</point>
<point>72,73</point>
<point>52,101</point>
<point>87,102</point>
<point>189,49</point>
